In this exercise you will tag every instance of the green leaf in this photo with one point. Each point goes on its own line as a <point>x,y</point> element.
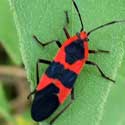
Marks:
<point>8,34</point>
<point>46,19</point>
<point>4,105</point>
<point>24,119</point>
<point>115,106</point>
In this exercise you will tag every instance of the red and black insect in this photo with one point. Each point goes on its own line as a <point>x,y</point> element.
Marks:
<point>57,83</point>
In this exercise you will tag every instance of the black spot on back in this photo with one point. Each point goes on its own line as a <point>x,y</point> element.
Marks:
<point>54,70</point>
<point>45,103</point>
<point>57,71</point>
<point>74,51</point>
<point>68,78</point>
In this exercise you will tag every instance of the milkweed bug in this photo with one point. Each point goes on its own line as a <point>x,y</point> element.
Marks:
<point>57,83</point>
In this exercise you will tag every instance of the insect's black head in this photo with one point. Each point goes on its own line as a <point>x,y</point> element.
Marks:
<point>80,37</point>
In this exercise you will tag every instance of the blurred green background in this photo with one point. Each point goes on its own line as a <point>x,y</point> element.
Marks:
<point>14,106</point>
<point>14,87</point>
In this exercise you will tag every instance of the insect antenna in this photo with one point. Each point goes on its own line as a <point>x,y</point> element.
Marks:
<point>104,25</point>
<point>76,7</point>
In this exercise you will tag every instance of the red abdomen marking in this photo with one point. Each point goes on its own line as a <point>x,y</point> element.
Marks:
<point>63,91</point>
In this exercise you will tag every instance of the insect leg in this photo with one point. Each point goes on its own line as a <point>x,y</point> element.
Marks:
<point>31,93</point>
<point>37,67</point>
<point>67,22</point>
<point>72,99</point>
<point>67,17</point>
<point>98,51</point>
<point>66,32</point>
<point>99,69</point>
<point>73,94</point>
<point>37,74</point>
<point>47,43</point>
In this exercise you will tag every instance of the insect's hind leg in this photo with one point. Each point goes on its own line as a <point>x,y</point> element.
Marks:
<point>67,22</point>
<point>67,106</point>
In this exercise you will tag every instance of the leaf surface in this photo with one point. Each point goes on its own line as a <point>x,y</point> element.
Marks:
<point>8,33</point>
<point>45,19</point>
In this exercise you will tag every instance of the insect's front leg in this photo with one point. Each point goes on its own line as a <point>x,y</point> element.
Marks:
<point>47,43</point>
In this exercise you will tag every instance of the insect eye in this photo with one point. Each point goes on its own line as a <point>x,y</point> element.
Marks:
<point>86,39</point>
